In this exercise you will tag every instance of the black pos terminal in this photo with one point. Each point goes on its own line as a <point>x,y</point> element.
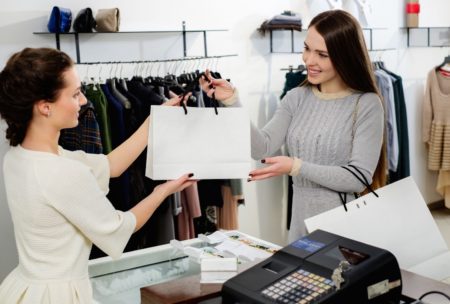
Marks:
<point>320,268</point>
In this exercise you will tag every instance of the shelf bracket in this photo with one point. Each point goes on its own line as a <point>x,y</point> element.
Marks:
<point>184,39</point>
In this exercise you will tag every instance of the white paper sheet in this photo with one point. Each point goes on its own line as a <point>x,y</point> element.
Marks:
<point>398,220</point>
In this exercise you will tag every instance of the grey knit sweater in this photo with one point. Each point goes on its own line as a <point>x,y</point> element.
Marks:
<point>317,128</point>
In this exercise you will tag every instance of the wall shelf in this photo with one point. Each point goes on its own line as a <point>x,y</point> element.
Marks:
<point>428,33</point>
<point>183,32</point>
<point>370,44</point>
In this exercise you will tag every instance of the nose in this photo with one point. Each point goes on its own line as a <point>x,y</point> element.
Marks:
<point>308,58</point>
<point>83,100</point>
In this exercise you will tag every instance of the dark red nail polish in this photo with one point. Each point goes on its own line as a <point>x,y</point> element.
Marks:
<point>263,161</point>
<point>191,174</point>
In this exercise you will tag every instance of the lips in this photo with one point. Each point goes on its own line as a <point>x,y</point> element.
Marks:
<point>313,72</point>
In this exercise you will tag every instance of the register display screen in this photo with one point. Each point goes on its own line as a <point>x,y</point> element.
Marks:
<point>352,256</point>
<point>308,244</point>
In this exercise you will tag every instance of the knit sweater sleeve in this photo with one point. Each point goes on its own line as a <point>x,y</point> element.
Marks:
<point>367,141</point>
<point>267,141</point>
<point>427,111</point>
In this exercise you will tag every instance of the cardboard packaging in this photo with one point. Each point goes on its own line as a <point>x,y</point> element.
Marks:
<point>412,13</point>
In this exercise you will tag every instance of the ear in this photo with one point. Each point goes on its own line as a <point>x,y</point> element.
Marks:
<point>43,107</point>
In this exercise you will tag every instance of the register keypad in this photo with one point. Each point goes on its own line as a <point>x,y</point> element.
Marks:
<point>300,287</point>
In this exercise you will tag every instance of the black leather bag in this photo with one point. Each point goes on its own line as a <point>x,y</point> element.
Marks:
<point>60,20</point>
<point>84,21</point>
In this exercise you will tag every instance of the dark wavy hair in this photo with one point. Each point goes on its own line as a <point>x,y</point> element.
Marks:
<point>30,75</point>
<point>348,52</point>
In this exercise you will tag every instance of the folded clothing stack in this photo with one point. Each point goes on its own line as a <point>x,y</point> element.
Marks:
<point>287,20</point>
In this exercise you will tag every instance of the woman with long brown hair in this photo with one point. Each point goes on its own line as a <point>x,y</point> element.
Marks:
<point>332,123</point>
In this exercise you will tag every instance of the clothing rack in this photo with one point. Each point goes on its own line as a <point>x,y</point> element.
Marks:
<point>156,61</point>
<point>300,67</point>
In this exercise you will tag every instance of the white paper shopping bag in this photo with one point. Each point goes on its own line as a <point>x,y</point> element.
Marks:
<point>398,220</point>
<point>209,145</point>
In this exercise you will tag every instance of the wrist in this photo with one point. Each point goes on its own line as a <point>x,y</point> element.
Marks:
<point>232,99</point>
<point>296,165</point>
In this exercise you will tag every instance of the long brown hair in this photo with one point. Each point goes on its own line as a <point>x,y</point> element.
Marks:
<point>348,52</point>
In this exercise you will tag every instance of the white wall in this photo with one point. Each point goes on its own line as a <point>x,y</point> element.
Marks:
<point>255,71</point>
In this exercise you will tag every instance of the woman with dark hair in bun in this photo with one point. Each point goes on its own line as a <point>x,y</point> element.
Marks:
<point>57,197</point>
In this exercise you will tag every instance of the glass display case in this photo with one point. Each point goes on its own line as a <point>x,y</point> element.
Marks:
<point>120,281</point>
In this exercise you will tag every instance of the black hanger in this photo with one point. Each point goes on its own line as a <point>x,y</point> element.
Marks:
<point>300,68</point>
<point>378,65</point>
<point>190,86</point>
<point>446,61</point>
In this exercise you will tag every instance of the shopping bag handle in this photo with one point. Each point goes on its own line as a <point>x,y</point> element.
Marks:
<point>363,180</point>
<point>191,87</point>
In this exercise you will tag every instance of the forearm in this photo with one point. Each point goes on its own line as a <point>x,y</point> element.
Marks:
<point>267,141</point>
<point>334,177</point>
<point>145,208</point>
<point>125,154</point>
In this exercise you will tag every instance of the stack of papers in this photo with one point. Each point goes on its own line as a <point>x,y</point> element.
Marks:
<point>217,270</point>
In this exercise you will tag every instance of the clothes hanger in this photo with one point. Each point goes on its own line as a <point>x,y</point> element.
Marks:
<point>445,65</point>
<point>86,76</point>
<point>301,68</point>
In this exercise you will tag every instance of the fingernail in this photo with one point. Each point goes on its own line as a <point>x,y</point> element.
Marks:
<point>263,161</point>
<point>251,175</point>
<point>191,174</point>
<point>249,179</point>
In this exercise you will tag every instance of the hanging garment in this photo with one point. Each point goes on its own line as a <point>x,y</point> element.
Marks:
<point>403,166</point>
<point>443,186</point>
<point>436,120</point>
<point>190,203</point>
<point>119,193</point>
<point>86,135</point>
<point>98,99</point>
<point>386,88</point>
<point>233,196</point>
<point>293,79</point>
<point>227,215</point>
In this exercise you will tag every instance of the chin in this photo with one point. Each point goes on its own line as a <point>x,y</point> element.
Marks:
<point>74,124</point>
<point>313,80</point>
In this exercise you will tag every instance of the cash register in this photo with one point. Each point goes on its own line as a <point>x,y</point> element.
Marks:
<point>321,267</point>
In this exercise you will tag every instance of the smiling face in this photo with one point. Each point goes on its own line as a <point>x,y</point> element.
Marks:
<point>320,68</point>
<point>65,110</point>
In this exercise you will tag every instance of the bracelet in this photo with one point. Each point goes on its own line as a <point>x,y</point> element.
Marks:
<point>232,99</point>
<point>297,163</point>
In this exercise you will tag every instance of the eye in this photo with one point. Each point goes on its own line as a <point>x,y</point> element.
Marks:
<point>77,94</point>
<point>306,48</point>
<point>323,55</point>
